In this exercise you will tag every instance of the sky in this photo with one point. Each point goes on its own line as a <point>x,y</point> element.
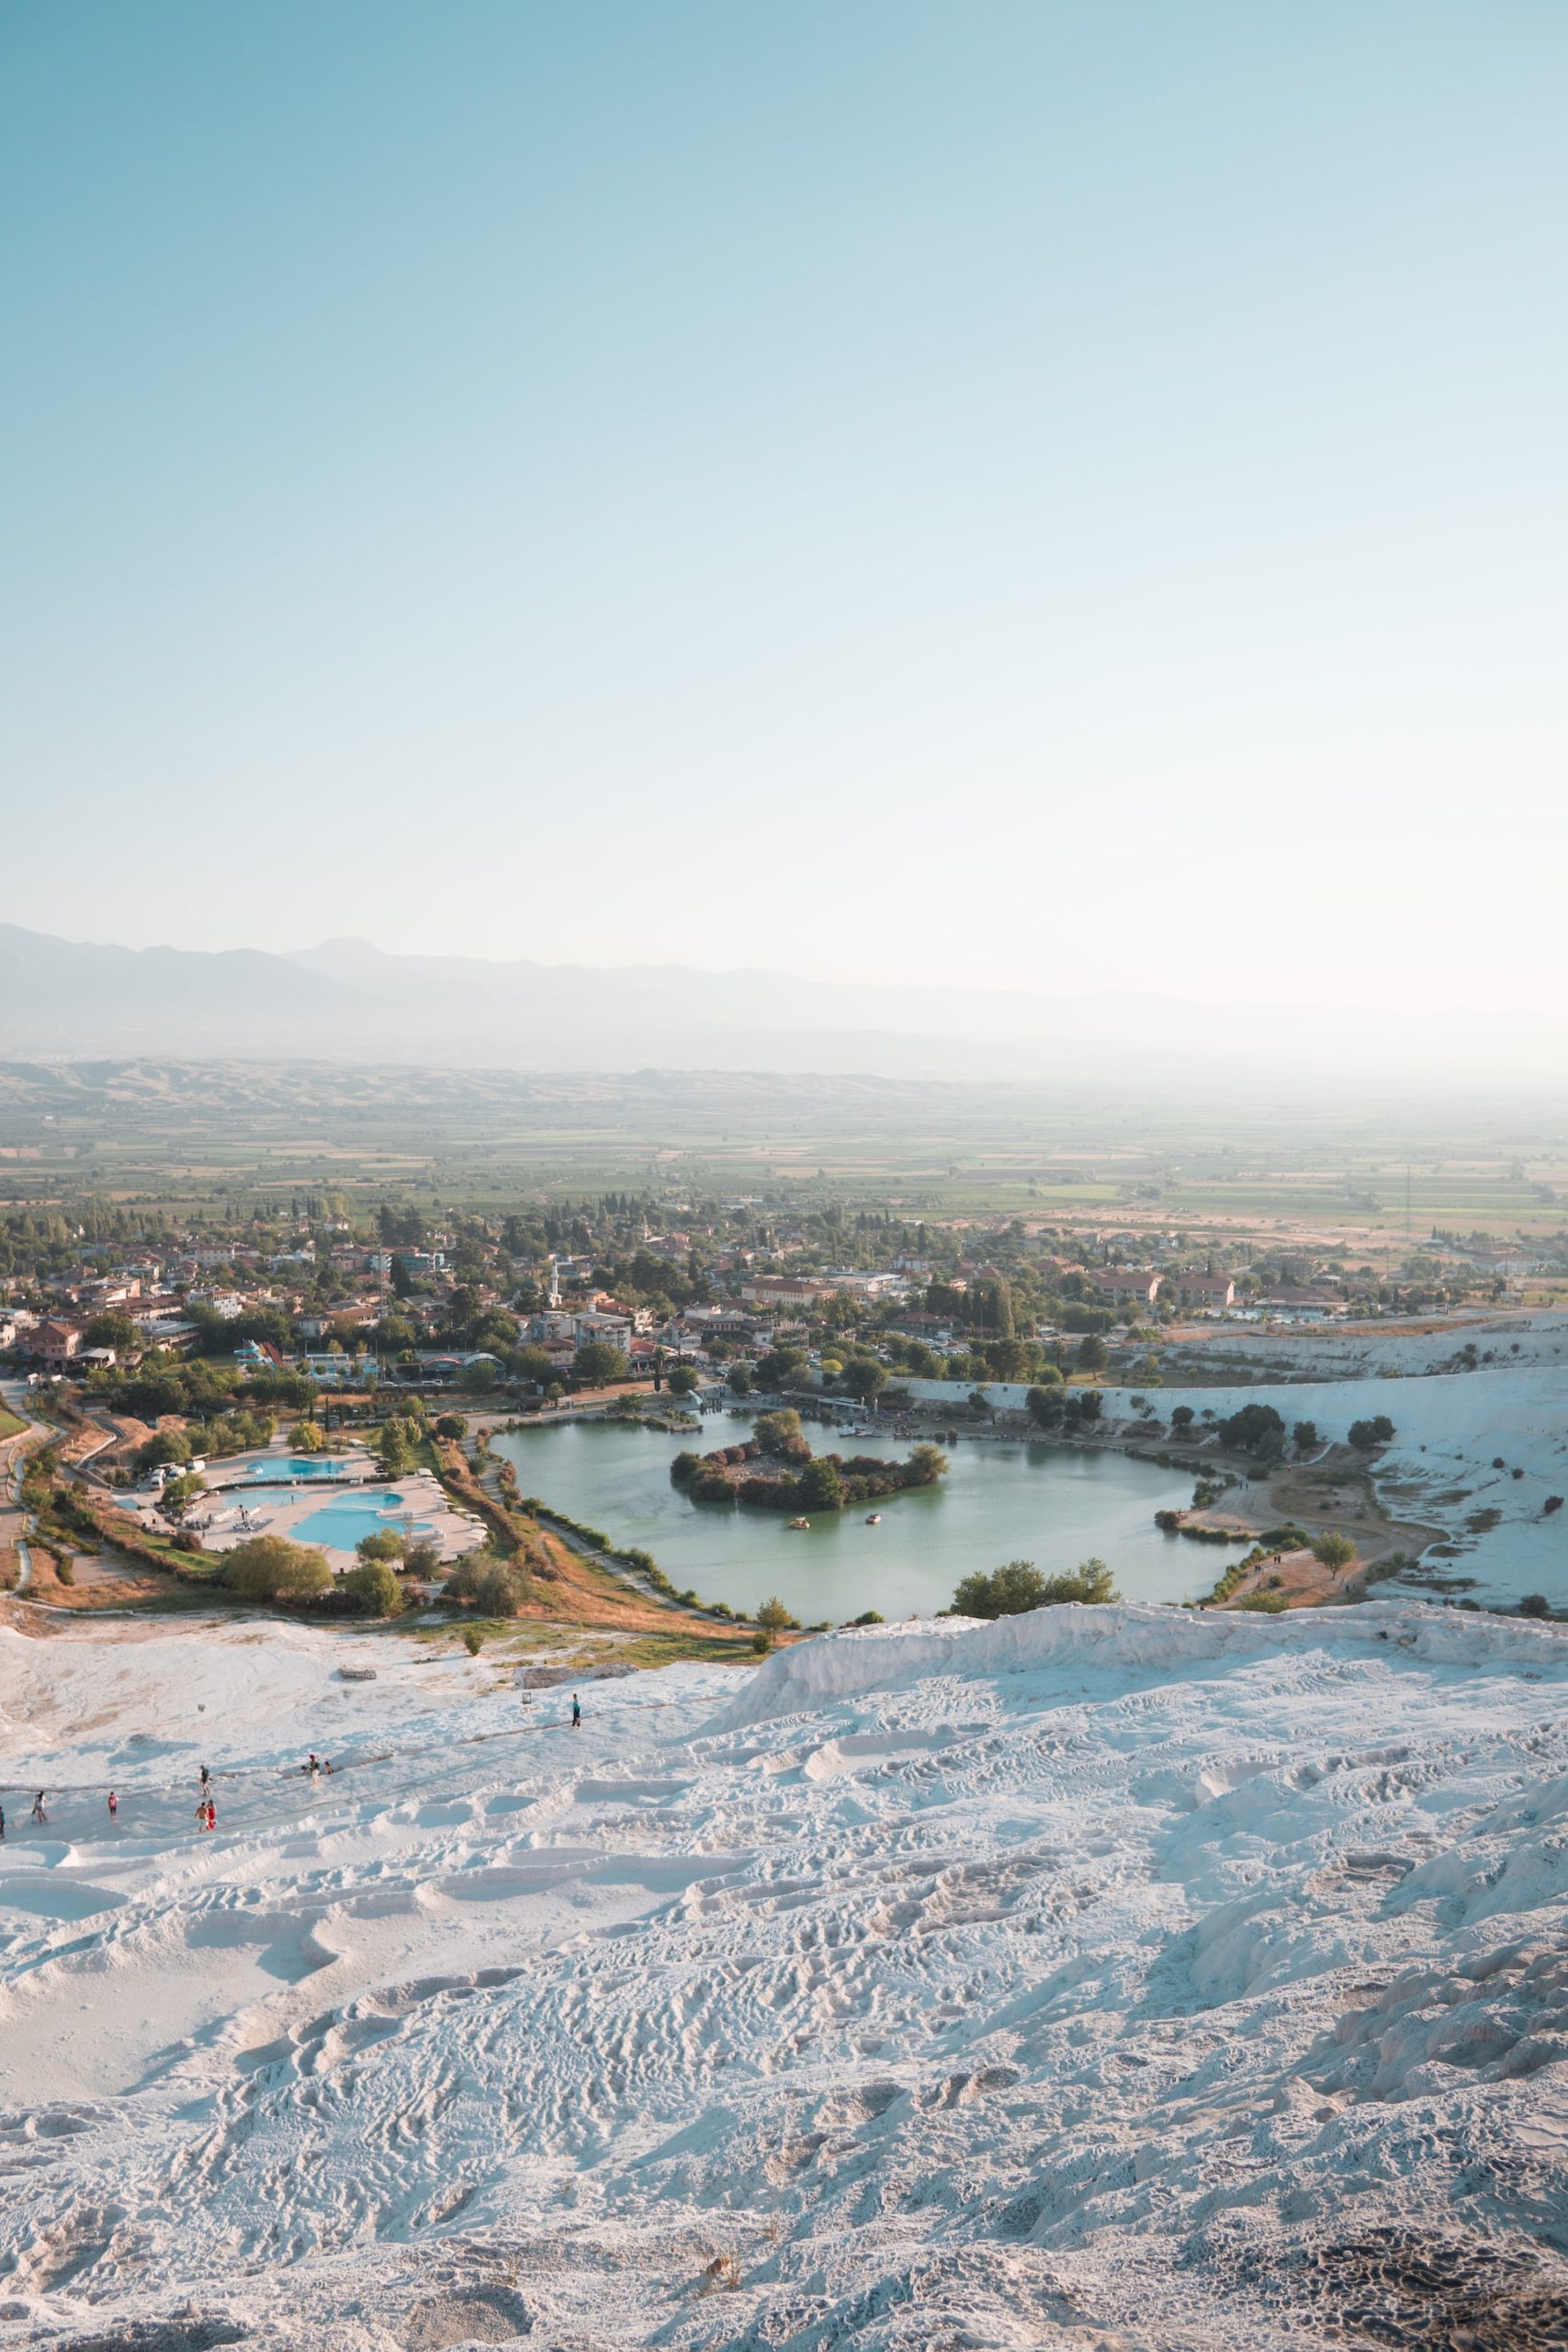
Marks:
<point>1037,495</point>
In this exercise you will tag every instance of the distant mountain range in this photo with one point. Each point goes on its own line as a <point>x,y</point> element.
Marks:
<point>347,1001</point>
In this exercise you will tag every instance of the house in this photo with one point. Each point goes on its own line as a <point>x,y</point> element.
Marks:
<point>1204,1293</point>
<point>1117,1282</point>
<point>611,1330</point>
<point>785,1290</point>
<point>56,1343</point>
<point>716,1323</point>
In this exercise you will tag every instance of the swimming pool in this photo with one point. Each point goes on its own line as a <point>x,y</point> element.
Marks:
<point>287,1468</point>
<point>341,1523</point>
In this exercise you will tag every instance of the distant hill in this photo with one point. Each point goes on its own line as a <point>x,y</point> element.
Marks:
<point>348,1001</point>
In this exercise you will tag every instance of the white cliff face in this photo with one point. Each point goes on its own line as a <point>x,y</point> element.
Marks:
<point>1103,1977</point>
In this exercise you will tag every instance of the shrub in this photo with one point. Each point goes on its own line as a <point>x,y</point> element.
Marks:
<point>1535,1604</point>
<point>1288,1538</point>
<point>373,1589</point>
<point>1015,1590</point>
<point>869,1617</point>
<point>473,1640</point>
<point>1367,1435</point>
<point>774,1618</point>
<point>268,1567</point>
<point>1553,1502</point>
<point>1263,1604</point>
<point>761,1642</point>
<point>499,1592</point>
<point>1333,1551</point>
<point>383,1543</point>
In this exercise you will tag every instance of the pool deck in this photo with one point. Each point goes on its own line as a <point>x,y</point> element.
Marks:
<point>247,1507</point>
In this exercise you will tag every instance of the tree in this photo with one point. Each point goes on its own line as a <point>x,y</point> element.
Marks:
<point>1333,1551</point>
<point>374,1589</point>
<point>740,1379</point>
<point>1045,1406</point>
<point>780,1433</point>
<point>1257,1430</point>
<point>1303,1437</point>
<point>819,1485</point>
<point>1091,1355</point>
<point>865,1377</point>
<point>423,1557</point>
<point>179,1494</point>
<point>452,1426</point>
<point>1535,1604</point>
<point>499,1592</point>
<point>930,1463</point>
<point>1181,1420</point>
<point>1015,1590</point>
<point>778,1366</point>
<point>476,1378</point>
<point>532,1366</point>
<point>111,1330</point>
<point>774,1618</point>
<point>682,1380</point>
<point>382,1543</point>
<point>168,1445</point>
<point>268,1567</point>
<point>309,1437</point>
<point>1366,1436</point>
<point>597,1362</point>
<point>394,1445</point>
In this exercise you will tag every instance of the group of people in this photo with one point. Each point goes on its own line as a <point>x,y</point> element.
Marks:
<point>205,1811</point>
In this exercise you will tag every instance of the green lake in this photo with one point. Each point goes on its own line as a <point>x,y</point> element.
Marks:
<point>1051,1504</point>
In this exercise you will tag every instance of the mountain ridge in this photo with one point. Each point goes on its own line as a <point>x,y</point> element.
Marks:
<point>348,999</point>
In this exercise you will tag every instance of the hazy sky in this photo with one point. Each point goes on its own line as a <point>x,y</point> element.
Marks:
<point>1051,495</point>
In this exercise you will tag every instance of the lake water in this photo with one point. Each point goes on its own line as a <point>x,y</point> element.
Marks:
<point>1051,1504</point>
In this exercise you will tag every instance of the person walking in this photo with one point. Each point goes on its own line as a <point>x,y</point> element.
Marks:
<point>576,1713</point>
<point>201,1813</point>
<point>39,1813</point>
<point>1,1824</point>
<point>205,1780</point>
<point>212,1815</point>
<point>114,1806</point>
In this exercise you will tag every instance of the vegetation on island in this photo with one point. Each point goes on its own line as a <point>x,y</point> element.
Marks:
<point>802,1481</point>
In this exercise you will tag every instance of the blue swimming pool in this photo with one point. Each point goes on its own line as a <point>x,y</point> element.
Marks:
<point>341,1523</point>
<point>287,1468</point>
